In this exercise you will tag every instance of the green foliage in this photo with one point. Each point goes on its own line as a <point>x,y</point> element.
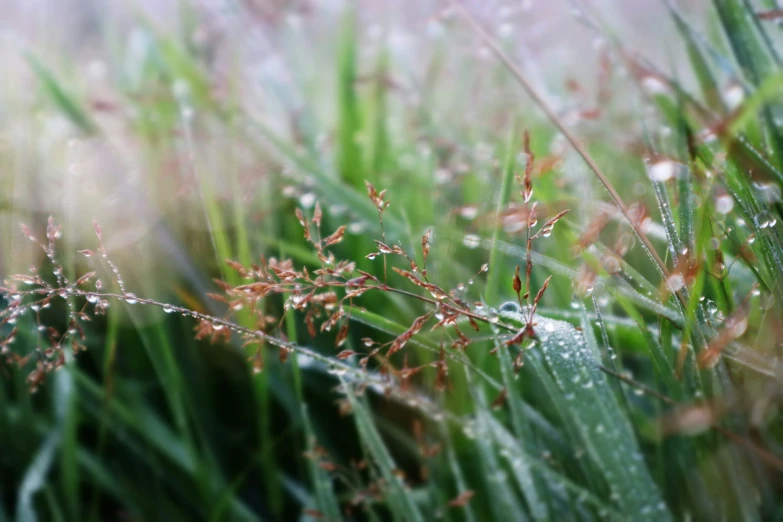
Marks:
<point>378,377</point>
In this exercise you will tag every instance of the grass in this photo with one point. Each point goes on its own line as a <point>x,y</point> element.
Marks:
<point>394,286</point>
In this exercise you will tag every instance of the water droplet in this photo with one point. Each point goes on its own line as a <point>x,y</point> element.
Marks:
<point>337,370</point>
<point>765,220</point>
<point>307,200</point>
<point>356,228</point>
<point>93,298</point>
<point>652,85</point>
<point>769,192</point>
<point>168,309</point>
<point>131,299</point>
<point>662,170</point>
<point>469,212</point>
<point>724,203</point>
<point>674,282</point>
<point>471,241</point>
<point>733,96</point>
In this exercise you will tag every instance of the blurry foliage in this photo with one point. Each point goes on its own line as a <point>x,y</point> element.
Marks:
<point>294,342</point>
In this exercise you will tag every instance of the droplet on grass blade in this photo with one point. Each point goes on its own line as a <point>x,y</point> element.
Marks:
<point>662,170</point>
<point>307,200</point>
<point>653,85</point>
<point>471,241</point>
<point>734,95</point>
<point>469,212</point>
<point>769,192</point>
<point>765,220</point>
<point>674,282</point>
<point>724,203</point>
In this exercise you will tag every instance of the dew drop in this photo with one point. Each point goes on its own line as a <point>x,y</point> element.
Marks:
<point>471,241</point>
<point>469,212</point>
<point>674,282</point>
<point>307,200</point>
<point>733,96</point>
<point>662,170</point>
<point>764,220</point>
<point>724,203</point>
<point>336,370</point>
<point>652,85</point>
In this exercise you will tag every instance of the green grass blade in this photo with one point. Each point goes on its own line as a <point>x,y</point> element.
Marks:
<point>571,358</point>
<point>349,124</point>
<point>756,59</point>
<point>64,101</point>
<point>399,498</point>
<point>326,501</point>
<point>529,481</point>
<point>35,478</point>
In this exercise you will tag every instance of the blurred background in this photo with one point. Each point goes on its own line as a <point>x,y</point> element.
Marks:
<point>192,129</point>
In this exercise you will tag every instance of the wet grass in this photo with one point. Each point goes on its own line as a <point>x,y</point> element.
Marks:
<point>373,290</point>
